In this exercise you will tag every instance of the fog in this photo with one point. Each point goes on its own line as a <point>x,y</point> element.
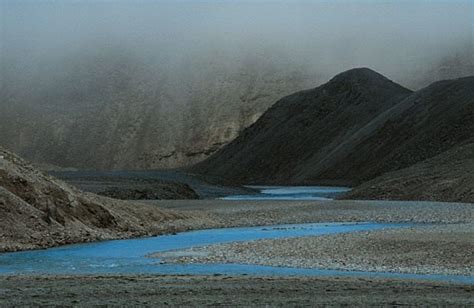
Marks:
<point>393,37</point>
<point>180,61</point>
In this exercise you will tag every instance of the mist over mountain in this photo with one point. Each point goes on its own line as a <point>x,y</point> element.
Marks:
<point>110,112</point>
<point>163,84</point>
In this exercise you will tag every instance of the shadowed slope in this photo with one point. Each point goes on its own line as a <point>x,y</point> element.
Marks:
<point>445,177</point>
<point>304,128</point>
<point>425,124</point>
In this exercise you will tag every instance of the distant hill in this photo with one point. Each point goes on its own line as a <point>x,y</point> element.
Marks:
<point>38,211</point>
<point>352,129</point>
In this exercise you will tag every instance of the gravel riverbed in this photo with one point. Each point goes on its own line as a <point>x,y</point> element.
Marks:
<point>224,213</point>
<point>439,249</point>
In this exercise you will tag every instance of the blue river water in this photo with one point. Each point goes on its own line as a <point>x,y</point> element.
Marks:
<point>292,193</point>
<point>129,256</point>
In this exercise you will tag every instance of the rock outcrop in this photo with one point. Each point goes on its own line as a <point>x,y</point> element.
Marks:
<point>37,211</point>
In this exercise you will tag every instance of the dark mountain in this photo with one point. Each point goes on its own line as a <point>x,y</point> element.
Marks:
<point>425,124</point>
<point>301,130</point>
<point>354,128</point>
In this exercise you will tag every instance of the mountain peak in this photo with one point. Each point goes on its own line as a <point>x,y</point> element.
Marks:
<point>358,75</point>
<point>359,72</point>
<point>365,78</point>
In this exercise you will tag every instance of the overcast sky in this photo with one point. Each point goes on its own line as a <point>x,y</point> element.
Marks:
<point>390,36</point>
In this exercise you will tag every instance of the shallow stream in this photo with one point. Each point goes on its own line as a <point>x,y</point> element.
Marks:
<point>292,193</point>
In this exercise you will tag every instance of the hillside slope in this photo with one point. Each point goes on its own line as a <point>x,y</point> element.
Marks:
<point>348,132</point>
<point>39,211</point>
<point>446,177</point>
<point>425,124</point>
<point>304,128</point>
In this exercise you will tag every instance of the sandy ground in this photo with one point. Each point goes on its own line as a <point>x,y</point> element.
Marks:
<point>222,290</point>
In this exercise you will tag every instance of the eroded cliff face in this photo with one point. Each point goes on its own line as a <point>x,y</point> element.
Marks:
<point>114,112</point>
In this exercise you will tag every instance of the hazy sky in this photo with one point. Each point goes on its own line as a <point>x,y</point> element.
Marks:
<point>390,36</point>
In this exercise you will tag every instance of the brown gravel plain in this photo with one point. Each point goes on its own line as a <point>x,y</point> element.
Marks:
<point>199,291</point>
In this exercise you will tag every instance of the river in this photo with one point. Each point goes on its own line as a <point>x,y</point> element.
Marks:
<point>130,256</point>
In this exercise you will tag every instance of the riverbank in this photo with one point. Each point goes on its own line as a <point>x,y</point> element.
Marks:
<point>224,290</point>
